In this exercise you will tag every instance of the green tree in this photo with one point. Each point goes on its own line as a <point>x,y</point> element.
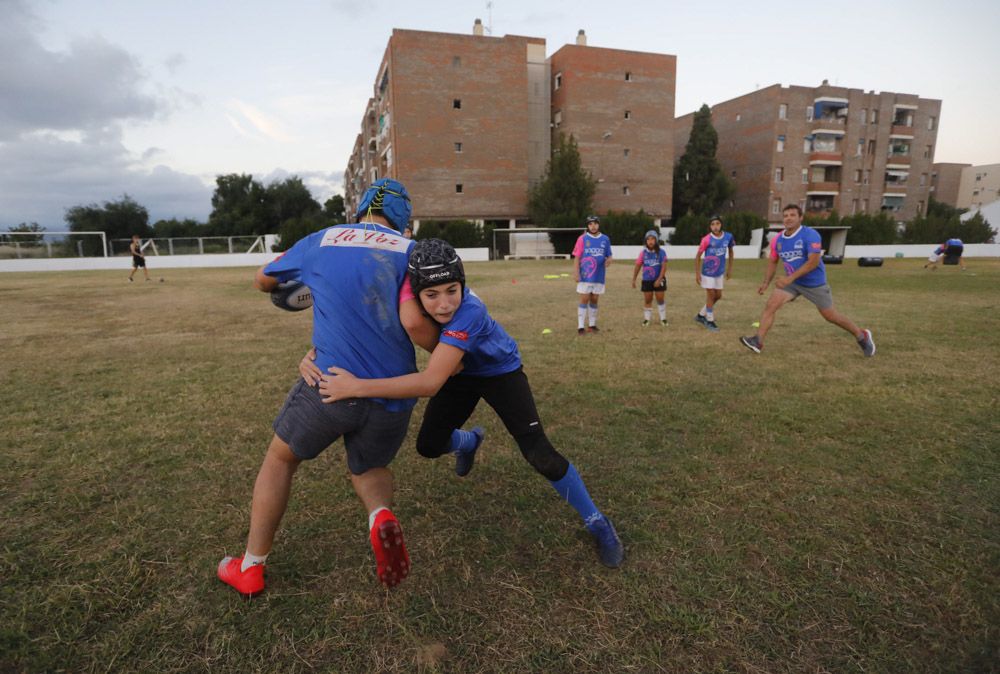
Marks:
<point>239,206</point>
<point>117,219</point>
<point>700,187</point>
<point>691,228</point>
<point>565,195</point>
<point>299,227</point>
<point>333,209</point>
<point>459,233</point>
<point>174,228</point>
<point>286,200</point>
<point>932,228</point>
<point>24,228</point>
<point>627,227</point>
<point>869,229</point>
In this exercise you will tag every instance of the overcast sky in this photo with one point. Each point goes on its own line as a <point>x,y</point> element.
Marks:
<point>98,99</point>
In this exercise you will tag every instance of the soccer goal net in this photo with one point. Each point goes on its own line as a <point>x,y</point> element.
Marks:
<point>29,245</point>
<point>535,243</point>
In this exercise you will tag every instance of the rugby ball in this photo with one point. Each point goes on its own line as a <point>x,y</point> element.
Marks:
<point>292,296</point>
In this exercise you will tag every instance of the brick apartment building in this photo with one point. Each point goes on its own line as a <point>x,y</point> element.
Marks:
<point>825,148</point>
<point>945,180</point>
<point>466,122</point>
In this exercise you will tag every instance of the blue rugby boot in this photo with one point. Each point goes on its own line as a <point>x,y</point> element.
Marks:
<point>464,459</point>
<point>609,546</point>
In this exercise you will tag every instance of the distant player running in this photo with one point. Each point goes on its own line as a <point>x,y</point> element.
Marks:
<point>355,273</point>
<point>652,262</point>
<point>801,251</point>
<point>138,259</point>
<point>492,371</point>
<point>712,272</point>
<point>591,257</point>
<point>951,250</point>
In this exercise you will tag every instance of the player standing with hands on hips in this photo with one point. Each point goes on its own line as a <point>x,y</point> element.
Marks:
<point>591,257</point>
<point>801,251</point>
<point>712,272</point>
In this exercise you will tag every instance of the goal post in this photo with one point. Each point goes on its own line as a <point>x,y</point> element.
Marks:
<point>44,244</point>
<point>534,243</point>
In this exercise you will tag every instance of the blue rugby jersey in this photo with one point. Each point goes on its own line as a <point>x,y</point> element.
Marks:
<point>489,350</point>
<point>715,250</point>
<point>794,251</point>
<point>592,252</point>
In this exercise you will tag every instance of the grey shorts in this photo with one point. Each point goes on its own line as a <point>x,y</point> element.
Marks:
<point>821,296</point>
<point>372,434</point>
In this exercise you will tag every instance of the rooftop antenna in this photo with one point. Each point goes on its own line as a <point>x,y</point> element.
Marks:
<point>489,17</point>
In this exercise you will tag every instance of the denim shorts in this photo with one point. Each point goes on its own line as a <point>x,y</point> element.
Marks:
<point>372,435</point>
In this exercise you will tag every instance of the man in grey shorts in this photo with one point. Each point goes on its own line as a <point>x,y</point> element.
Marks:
<point>800,250</point>
<point>355,273</point>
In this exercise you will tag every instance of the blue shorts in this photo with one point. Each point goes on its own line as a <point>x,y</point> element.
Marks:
<point>372,435</point>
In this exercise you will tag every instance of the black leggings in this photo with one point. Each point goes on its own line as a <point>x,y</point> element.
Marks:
<point>510,397</point>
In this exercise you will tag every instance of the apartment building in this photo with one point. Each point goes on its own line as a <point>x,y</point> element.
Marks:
<point>466,122</point>
<point>945,181</point>
<point>825,148</point>
<point>979,186</point>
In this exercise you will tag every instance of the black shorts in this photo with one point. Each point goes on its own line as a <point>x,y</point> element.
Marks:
<point>372,434</point>
<point>138,261</point>
<point>647,286</point>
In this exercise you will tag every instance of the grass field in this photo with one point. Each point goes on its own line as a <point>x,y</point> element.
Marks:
<point>804,510</point>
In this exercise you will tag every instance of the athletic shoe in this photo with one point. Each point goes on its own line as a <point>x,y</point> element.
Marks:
<point>663,322</point>
<point>712,326</point>
<point>593,328</point>
<point>464,460</point>
<point>867,344</point>
<point>609,546</point>
<point>391,559</point>
<point>131,281</point>
<point>752,343</point>
<point>645,323</point>
<point>580,331</point>
<point>700,319</point>
<point>249,583</point>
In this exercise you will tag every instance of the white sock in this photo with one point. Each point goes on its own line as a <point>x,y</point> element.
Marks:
<point>647,314</point>
<point>662,308</point>
<point>593,315</point>
<point>372,515</point>
<point>581,315</point>
<point>704,310</point>
<point>250,560</point>
<point>710,315</point>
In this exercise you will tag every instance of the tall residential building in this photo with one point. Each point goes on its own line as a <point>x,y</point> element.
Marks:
<point>945,179</point>
<point>619,106</point>
<point>980,185</point>
<point>466,123</point>
<point>825,148</point>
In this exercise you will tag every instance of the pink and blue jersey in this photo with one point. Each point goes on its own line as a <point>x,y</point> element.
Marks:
<point>489,350</point>
<point>715,249</point>
<point>355,273</point>
<point>652,262</point>
<point>592,251</point>
<point>794,251</point>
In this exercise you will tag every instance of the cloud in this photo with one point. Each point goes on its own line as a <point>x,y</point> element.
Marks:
<point>264,124</point>
<point>174,62</point>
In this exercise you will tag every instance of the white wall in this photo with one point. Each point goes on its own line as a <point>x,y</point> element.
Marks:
<point>155,262</point>
<point>920,250</point>
<point>630,253</point>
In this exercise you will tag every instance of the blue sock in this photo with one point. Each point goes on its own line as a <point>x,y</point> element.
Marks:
<point>571,488</point>
<point>463,441</point>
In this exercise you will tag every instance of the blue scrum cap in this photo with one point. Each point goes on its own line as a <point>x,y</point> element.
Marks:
<point>391,198</point>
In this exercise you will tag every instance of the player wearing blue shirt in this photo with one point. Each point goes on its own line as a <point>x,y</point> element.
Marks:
<point>492,371</point>
<point>355,273</point>
<point>800,250</point>
<point>711,272</point>
<point>951,250</point>
<point>652,262</point>
<point>591,258</point>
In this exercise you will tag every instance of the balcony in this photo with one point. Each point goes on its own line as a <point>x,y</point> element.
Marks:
<point>823,187</point>
<point>901,131</point>
<point>821,206</point>
<point>820,157</point>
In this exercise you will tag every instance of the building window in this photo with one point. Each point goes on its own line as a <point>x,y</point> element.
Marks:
<point>458,188</point>
<point>779,174</point>
<point>627,151</point>
<point>928,152</point>
<point>979,177</point>
<point>857,175</point>
<point>780,147</point>
<point>733,173</point>
<point>807,145</point>
<point>775,206</point>
<point>458,147</point>
<point>861,147</point>
<point>456,61</point>
<point>931,123</point>
<point>783,111</point>
<point>457,103</point>
<point>874,116</point>
<point>738,116</point>
<point>628,114</point>
<point>864,205</point>
<point>868,177</point>
<point>625,190</point>
<point>557,81</point>
<point>923,179</point>
<point>805,176</point>
<point>854,206</point>
<point>557,119</point>
<point>864,120</point>
<point>628,77</point>
<point>809,113</point>
<point>871,146</point>
<point>920,207</point>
